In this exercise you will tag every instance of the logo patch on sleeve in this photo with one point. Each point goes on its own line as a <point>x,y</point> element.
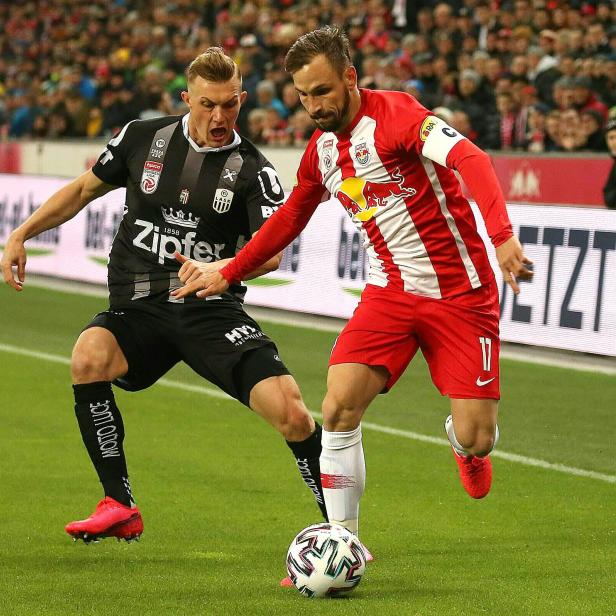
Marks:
<point>427,127</point>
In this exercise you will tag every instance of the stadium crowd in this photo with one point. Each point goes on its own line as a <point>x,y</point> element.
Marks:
<point>534,75</point>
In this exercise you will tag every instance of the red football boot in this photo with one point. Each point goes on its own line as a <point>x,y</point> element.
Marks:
<point>475,474</point>
<point>110,519</point>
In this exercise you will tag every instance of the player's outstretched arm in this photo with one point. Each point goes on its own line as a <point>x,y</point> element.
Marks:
<point>60,207</point>
<point>477,172</point>
<point>513,263</point>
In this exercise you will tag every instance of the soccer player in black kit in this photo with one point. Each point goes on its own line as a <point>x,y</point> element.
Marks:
<point>195,190</point>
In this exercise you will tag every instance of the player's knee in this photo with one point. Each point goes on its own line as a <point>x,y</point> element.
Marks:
<point>90,364</point>
<point>296,424</point>
<point>339,415</point>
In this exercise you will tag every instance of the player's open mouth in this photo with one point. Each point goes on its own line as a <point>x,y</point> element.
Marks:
<point>218,133</point>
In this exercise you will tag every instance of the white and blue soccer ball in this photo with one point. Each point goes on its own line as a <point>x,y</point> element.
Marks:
<point>325,559</point>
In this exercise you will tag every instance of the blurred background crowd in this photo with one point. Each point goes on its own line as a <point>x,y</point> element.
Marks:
<point>528,75</point>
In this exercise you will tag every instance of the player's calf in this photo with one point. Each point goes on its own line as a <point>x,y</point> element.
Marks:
<point>474,464</point>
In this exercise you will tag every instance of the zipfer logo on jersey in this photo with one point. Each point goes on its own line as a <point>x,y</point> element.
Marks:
<point>165,246</point>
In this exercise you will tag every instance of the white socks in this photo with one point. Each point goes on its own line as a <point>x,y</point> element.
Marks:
<point>343,476</point>
<point>451,435</point>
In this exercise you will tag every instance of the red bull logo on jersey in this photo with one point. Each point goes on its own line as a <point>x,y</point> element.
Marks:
<point>362,153</point>
<point>362,198</point>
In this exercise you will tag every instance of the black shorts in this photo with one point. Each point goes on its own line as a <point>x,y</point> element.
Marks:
<point>217,339</point>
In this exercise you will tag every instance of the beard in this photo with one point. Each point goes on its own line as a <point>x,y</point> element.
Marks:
<point>335,121</point>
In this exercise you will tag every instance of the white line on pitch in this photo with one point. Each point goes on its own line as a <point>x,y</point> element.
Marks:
<point>415,436</point>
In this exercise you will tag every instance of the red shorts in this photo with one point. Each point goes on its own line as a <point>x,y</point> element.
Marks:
<point>457,336</point>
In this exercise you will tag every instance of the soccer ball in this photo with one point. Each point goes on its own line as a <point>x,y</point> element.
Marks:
<point>325,559</point>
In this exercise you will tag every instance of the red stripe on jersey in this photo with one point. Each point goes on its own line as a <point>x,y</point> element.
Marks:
<point>337,482</point>
<point>467,227</point>
<point>394,277</point>
<point>440,244</point>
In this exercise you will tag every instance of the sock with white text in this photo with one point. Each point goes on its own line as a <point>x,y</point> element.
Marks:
<point>307,455</point>
<point>102,431</point>
<point>343,476</point>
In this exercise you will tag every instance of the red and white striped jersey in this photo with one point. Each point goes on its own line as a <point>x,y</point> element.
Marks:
<point>388,169</point>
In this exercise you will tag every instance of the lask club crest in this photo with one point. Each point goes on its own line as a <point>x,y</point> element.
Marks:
<point>150,176</point>
<point>222,200</point>
<point>362,153</point>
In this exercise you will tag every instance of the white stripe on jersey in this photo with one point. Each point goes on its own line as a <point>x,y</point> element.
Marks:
<point>395,224</point>
<point>451,223</point>
<point>327,152</point>
<point>118,138</point>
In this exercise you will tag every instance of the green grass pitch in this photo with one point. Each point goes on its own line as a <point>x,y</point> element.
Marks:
<point>221,498</point>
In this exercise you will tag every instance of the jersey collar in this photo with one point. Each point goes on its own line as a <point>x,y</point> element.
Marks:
<point>236,140</point>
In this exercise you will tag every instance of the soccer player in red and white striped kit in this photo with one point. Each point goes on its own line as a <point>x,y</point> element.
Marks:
<point>431,287</point>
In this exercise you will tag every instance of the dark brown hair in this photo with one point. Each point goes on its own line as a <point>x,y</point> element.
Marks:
<point>213,65</point>
<point>330,41</point>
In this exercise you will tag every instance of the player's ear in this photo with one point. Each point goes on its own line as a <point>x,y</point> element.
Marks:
<point>350,77</point>
<point>243,97</point>
<point>185,97</point>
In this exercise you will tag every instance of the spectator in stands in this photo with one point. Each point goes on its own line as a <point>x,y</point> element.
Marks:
<point>537,138</point>
<point>552,128</point>
<point>510,132</point>
<point>22,113</point>
<point>584,99</point>
<point>485,21</point>
<point>473,101</point>
<point>424,72</point>
<point>290,98</point>
<point>462,123</point>
<point>78,110</point>
<point>572,137</point>
<point>609,190</point>
<point>562,93</point>
<point>301,127</point>
<point>267,98</point>
<point>95,123</point>
<point>592,122</point>
<point>256,124</point>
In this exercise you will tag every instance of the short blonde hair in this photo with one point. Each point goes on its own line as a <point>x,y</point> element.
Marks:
<point>213,65</point>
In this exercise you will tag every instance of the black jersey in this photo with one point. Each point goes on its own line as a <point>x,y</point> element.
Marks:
<point>202,202</point>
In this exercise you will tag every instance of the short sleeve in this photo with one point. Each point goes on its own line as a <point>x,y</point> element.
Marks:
<point>111,166</point>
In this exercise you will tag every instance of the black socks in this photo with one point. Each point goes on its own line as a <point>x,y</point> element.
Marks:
<point>102,431</point>
<point>307,455</point>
